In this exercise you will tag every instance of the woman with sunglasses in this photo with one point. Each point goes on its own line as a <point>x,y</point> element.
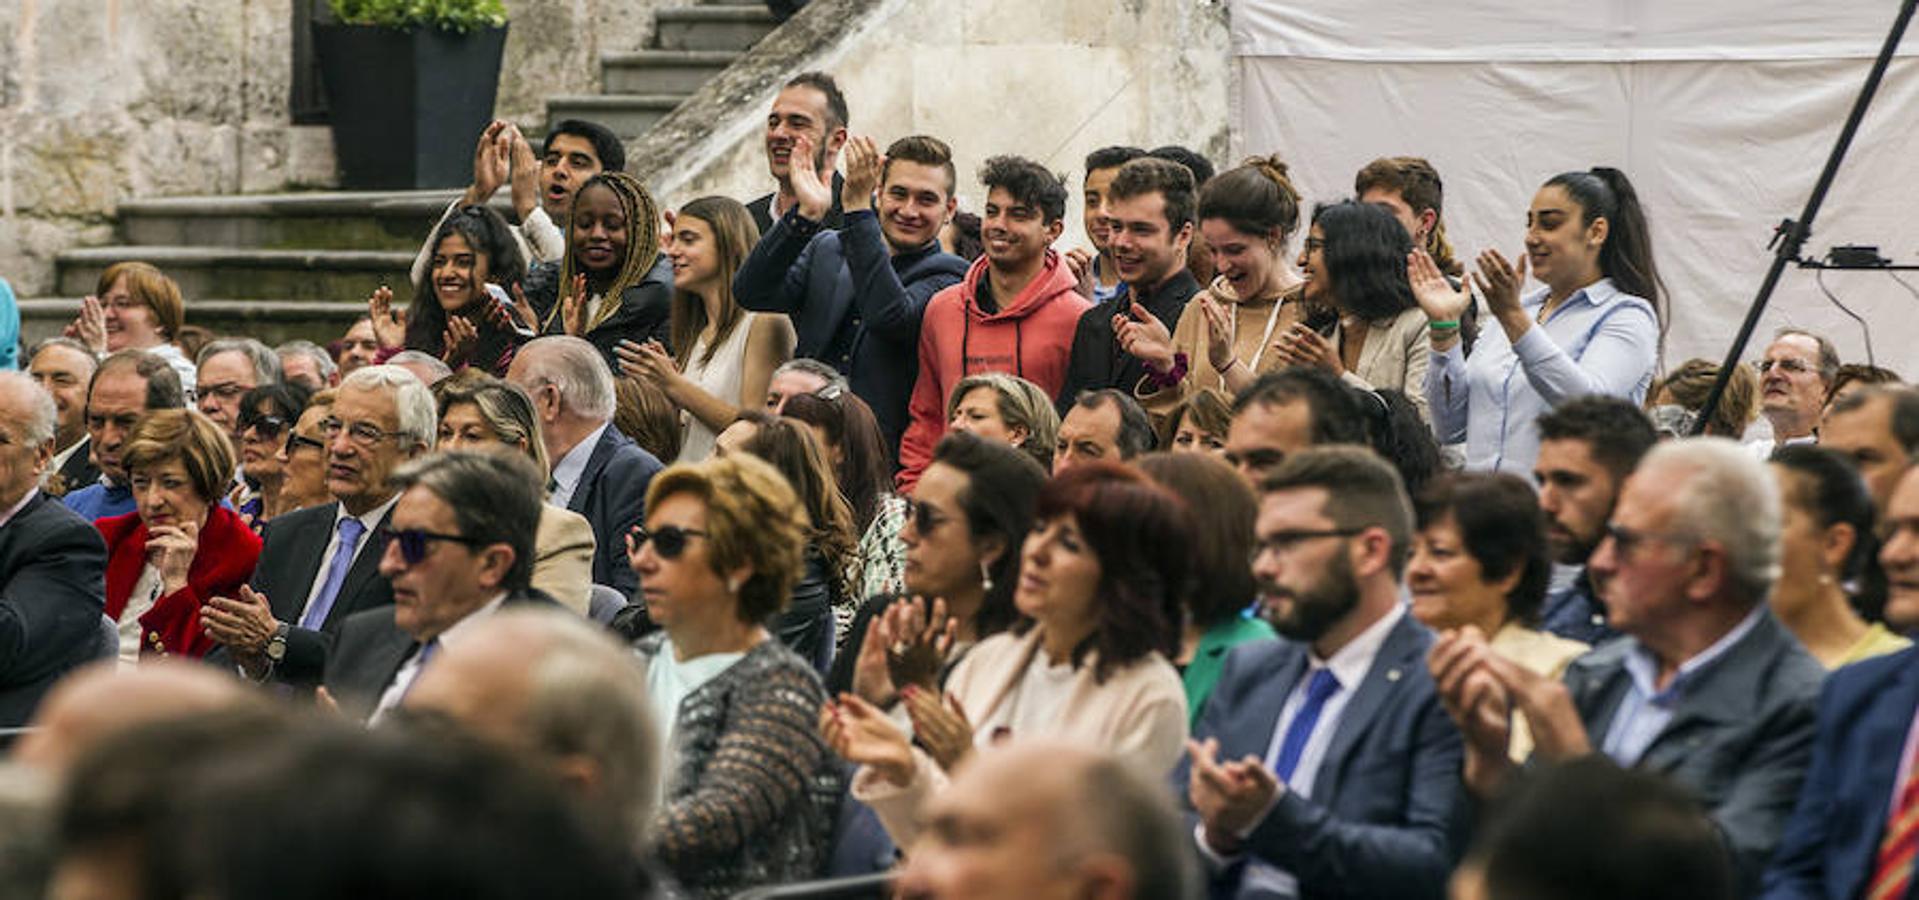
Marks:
<point>481,412</point>
<point>302,458</point>
<point>1101,580</point>
<point>179,547</point>
<point>267,413</point>
<point>751,792</point>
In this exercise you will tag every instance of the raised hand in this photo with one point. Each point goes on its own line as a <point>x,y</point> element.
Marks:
<point>524,167</point>
<point>940,725</point>
<point>1300,345</point>
<point>171,548</point>
<point>1219,326</point>
<point>491,162</point>
<point>458,340</point>
<point>91,327</point>
<point>1558,732</point>
<point>649,361</point>
<point>573,307</point>
<point>919,640</point>
<point>510,316</point>
<point>863,165</point>
<point>1145,337</point>
<point>861,734</point>
<point>814,195</point>
<point>389,324</point>
<point>1437,297</point>
<point>1229,796</point>
<point>1499,283</point>
<point>1079,261</point>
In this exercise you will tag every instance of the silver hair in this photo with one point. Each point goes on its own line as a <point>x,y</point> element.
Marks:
<point>1725,496</point>
<point>321,358</point>
<point>588,697</point>
<point>266,363</point>
<point>426,361</point>
<point>93,362</point>
<point>815,368</point>
<point>40,418</point>
<point>574,366</point>
<point>412,402</point>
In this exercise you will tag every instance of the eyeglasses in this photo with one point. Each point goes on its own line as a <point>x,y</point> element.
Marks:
<point>925,519</point>
<point>268,427</point>
<point>413,542</point>
<point>669,541</point>
<point>296,440</point>
<point>1791,366</point>
<point>1625,540</point>
<point>1284,542</point>
<point>361,433</point>
<point>225,390</point>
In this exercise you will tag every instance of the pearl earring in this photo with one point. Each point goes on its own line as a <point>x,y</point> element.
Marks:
<point>985,576</point>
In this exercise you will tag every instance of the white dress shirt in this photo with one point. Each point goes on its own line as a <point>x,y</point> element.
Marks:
<point>410,670</point>
<point>371,520</point>
<point>569,468</point>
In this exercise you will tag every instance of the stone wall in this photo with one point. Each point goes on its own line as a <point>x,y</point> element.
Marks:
<point>1050,80</point>
<point>106,100</point>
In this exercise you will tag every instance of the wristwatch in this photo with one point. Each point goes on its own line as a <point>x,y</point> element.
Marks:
<point>277,644</point>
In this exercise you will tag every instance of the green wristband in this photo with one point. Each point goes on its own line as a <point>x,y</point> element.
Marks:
<point>1449,324</point>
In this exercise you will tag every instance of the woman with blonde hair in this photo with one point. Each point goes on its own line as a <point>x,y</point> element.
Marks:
<point>1006,408</point>
<point>723,356</point>
<point>136,307</point>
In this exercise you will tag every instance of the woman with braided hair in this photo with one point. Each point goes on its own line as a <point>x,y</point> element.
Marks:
<point>613,284</point>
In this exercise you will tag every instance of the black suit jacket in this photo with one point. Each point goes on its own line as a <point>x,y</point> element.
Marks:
<point>53,568</point>
<point>760,206</point>
<point>79,470</point>
<point>612,496</point>
<point>1097,361</point>
<point>291,560</point>
<point>371,650</point>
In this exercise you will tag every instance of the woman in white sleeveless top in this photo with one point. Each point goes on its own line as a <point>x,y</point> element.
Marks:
<point>723,357</point>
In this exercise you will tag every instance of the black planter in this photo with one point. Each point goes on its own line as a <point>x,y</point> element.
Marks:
<point>406,106</point>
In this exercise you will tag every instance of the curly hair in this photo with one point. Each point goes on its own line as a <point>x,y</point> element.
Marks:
<point>1028,182</point>
<point>753,519</point>
<point>1141,535</point>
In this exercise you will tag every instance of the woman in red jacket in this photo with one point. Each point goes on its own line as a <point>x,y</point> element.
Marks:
<point>180,547</point>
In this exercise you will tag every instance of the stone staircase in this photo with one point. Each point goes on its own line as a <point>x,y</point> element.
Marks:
<point>280,266</point>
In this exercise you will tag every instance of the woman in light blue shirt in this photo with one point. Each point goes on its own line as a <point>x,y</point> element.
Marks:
<point>1595,328</point>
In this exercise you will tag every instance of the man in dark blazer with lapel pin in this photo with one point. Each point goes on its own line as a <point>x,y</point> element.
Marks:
<point>1324,764</point>
<point>320,565</point>
<point>1852,832</point>
<point>461,549</point>
<point>598,472</point>
<point>1706,687</point>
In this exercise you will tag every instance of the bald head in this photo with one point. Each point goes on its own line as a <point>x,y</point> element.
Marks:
<point>1048,819</point>
<point>100,701</point>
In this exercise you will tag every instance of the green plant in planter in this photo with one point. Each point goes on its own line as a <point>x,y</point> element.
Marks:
<point>448,15</point>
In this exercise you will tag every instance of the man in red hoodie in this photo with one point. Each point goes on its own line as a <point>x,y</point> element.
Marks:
<point>1015,311</point>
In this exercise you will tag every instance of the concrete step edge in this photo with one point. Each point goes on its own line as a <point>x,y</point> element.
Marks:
<point>728,14</point>
<point>164,256</point>
<point>662,102</point>
<point>317,204</point>
<point>645,59</point>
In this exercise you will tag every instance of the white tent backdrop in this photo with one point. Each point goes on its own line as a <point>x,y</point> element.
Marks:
<point>1721,112</point>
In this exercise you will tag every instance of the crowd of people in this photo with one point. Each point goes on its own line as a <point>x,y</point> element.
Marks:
<point>1251,551</point>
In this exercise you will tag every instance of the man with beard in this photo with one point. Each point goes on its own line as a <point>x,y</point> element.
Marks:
<point>1587,447</point>
<point>1324,762</point>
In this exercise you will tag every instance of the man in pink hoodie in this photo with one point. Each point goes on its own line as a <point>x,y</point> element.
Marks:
<point>1015,311</point>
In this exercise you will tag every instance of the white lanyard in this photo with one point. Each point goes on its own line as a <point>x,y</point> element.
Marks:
<point>1266,337</point>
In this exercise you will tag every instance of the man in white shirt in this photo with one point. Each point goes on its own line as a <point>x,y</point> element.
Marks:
<point>1323,763</point>
<point>461,548</point>
<point>1794,376</point>
<point>64,367</point>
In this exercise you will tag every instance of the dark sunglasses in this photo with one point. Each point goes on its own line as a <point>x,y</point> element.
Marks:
<point>296,440</point>
<point>669,541</point>
<point>413,542</point>
<point>269,427</point>
<point>923,516</point>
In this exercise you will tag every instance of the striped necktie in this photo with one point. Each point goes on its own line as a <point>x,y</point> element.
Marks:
<point>1892,868</point>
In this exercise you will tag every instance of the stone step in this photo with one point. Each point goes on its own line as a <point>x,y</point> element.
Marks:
<point>370,220</point>
<point>727,27</point>
<point>629,115</point>
<point>661,71</point>
<point>272,321</point>
<point>338,275</point>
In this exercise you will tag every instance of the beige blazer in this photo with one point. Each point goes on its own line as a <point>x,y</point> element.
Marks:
<point>1396,355</point>
<point>563,557</point>
<point>1189,337</point>
<point>1139,714</point>
<point>1537,651</point>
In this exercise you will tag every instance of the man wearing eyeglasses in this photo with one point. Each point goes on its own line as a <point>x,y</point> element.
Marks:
<point>1793,378</point>
<point>320,565</point>
<point>125,387</point>
<point>1323,762</point>
<point>1708,690</point>
<point>228,369</point>
<point>459,548</point>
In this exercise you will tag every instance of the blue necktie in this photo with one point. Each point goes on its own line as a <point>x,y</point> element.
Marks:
<point>1319,689</point>
<point>350,531</point>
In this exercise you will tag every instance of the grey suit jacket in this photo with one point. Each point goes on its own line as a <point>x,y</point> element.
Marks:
<point>371,650</point>
<point>1740,737</point>
<point>612,496</point>
<point>1385,818</point>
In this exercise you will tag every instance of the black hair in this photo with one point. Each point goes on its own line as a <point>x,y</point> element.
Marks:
<point>1501,527</point>
<point>1135,429</point>
<point>1200,166</point>
<point>1396,432</point>
<point>487,233</point>
<point>288,399</point>
<point>1029,182</point>
<point>163,383</point>
<point>1111,157</point>
<point>1830,490</point>
<point>1002,490</point>
<point>836,113</point>
<point>606,145</point>
<point>1617,433</point>
<point>1904,414</point>
<point>1335,409</point>
<point>1365,254</point>
<point>966,239</point>
<point>1627,256</point>
<point>495,497</point>
<point>1171,181</point>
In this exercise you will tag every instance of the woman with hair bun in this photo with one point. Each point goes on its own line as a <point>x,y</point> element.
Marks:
<point>1595,328</point>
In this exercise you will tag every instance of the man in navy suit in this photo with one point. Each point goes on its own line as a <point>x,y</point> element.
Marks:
<point>1842,840</point>
<point>1324,764</point>
<point>598,472</point>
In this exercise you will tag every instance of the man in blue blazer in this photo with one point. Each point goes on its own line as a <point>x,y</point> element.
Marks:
<point>1324,764</point>
<point>1865,743</point>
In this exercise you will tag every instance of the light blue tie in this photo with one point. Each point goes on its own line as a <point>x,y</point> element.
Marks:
<point>1319,689</point>
<point>350,531</point>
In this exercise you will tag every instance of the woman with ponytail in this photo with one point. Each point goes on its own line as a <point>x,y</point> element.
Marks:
<point>1248,216</point>
<point>1595,328</point>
